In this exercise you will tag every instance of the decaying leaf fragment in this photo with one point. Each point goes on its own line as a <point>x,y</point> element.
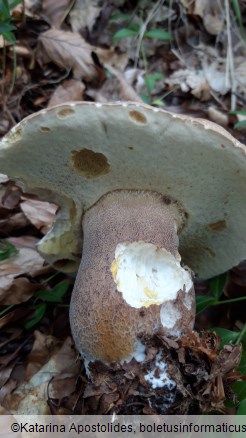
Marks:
<point>214,368</point>
<point>31,396</point>
<point>69,91</point>
<point>210,11</point>
<point>41,214</point>
<point>69,50</point>
<point>26,260</point>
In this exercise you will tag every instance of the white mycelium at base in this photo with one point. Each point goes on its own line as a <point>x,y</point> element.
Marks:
<point>146,274</point>
<point>158,377</point>
<point>138,353</point>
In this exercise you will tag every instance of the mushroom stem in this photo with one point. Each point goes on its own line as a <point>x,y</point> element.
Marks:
<point>130,270</point>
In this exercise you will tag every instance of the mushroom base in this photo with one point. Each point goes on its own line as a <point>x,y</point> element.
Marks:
<point>130,284</point>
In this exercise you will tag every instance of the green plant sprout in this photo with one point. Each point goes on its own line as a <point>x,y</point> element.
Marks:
<point>242,123</point>
<point>238,14</point>
<point>140,32</point>
<point>6,20</point>
<point>216,285</point>
<point>44,296</point>
<point>6,249</point>
<point>7,29</point>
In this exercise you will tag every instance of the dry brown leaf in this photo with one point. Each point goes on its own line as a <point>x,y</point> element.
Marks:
<point>24,241</point>
<point>83,15</point>
<point>13,223</point>
<point>211,75</point>
<point>20,290</point>
<point>31,396</point>
<point>56,12</point>
<point>218,116</point>
<point>11,196</point>
<point>211,13</point>
<point>240,75</point>
<point>41,214</point>
<point>70,51</point>
<point>126,91</point>
<point>69,91</point>
<point>17,314</point>
<point>41,351</point>
<point>26,261</point>
<point>7,388</point>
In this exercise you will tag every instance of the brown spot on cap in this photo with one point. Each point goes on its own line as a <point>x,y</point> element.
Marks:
<point>65,112</point>
<point>218,226</point>
<point>89,164</point>
<point>167,200</point>
<point>138,117</point>
<point>44,129</point>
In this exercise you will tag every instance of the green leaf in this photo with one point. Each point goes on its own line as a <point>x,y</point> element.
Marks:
<point>6,249</point>
<point>38,315</point>
<point>14,3</point>
<point>145,98</point>
<point>157,102</point>
<point>243,112</point>
<point>203,301</point>
<point>132,30</point>
<point>158,34</point>
<point>150,80</point>
<point>9,36</point>
<point>240,389</point>
<point>227,336</point>
<point>217,284</point>
<point>120,16</point>
<point>56,294</point>
<point>238,14</point>
<point>240,124</point>
<point>5,9</point>
<point>242,408</point>
<point>242,365</point>
<point>6,27</point>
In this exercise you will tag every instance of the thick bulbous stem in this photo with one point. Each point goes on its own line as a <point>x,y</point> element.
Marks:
<point>130,284</point>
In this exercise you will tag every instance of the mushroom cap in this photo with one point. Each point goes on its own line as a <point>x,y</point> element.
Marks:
<point>75,153</point>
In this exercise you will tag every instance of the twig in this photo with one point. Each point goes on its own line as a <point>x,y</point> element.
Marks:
<point>230,78</point>
<point>144,27</point>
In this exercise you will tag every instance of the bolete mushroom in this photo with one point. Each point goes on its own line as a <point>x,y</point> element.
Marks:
<point>149,186</point>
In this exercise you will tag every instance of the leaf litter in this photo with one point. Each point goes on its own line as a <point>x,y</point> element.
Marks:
<point>67,52</point>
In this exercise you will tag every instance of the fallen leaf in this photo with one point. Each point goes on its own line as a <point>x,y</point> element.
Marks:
<point>56,12</point>
<point>13,222</point>
<point>83,15</point>
<point>31,397</point>
<point>20,290</point>
<point>24,241</point>
<point>218,116</point>
<point>26,261</point>
<point>69,91</point>
<point>42,349</point>
<point>41,214</point>
<point>69,50</point>
<point>11,196</point>
<point>126,91</point>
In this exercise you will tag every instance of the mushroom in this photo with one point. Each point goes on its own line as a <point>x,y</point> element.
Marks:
<point>151,187</point>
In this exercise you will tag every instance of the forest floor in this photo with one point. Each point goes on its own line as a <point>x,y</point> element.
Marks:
<point>187,57</point>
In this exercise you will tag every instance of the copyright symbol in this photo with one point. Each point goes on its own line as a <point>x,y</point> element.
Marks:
<point>15,427</point>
